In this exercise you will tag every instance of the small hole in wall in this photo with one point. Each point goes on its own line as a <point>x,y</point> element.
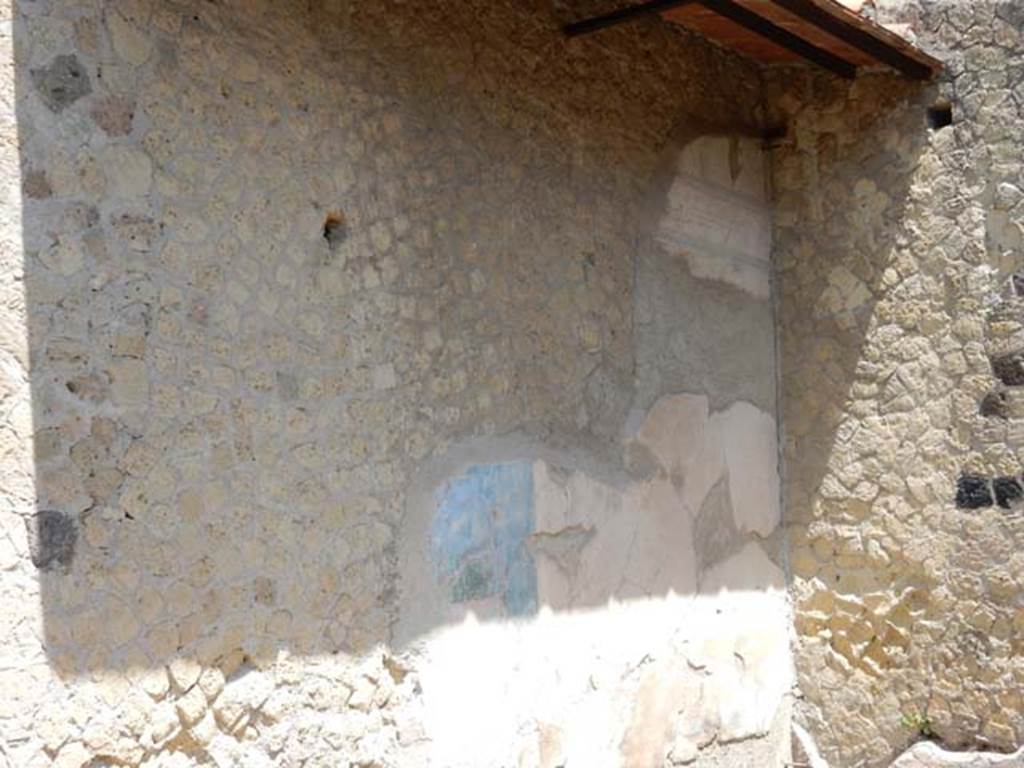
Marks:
<point>995,404</point>
<point>335,228</point>
<point>940,114</point>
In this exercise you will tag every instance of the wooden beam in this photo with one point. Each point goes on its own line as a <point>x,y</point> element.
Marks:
<point>780,36</point>
<point>622,15</point>
<point>859,38</point>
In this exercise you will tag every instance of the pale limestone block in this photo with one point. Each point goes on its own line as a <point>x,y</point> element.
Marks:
<point>205,730</point>
<point>380,236</point>
<point>384,377</point>
<point>155,683</point>
<point>362,694</point>
<point>191,706</point>
<point>184,673</point>
<point>845,292</point>
<point>121,624</point>
<point>211,681</point>
<point>73,755</point>
<point>130,43</point>
<point>129,382</point>
<point>129,171</point>
<point>63,257</point>
<point>241,695</point>
<point>188,226</point>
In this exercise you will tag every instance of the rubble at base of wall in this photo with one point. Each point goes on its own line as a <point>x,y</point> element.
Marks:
<point>927,754</point>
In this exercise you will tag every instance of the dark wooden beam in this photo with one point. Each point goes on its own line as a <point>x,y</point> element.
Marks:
<point>622,15</point>
<point>859,38</point>
<point>780,36</point>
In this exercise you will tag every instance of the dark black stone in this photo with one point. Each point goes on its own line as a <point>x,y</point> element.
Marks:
<point>973,492</point>
<point>51,539</point>
<point>1018,284</point>
<point>1009,369</point>
<point>1008,491</point>
<point>63,82</point>
<point>995,404</point>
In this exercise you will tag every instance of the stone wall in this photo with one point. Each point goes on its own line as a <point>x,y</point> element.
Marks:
<point>383,384</point>
<point>900,323</point>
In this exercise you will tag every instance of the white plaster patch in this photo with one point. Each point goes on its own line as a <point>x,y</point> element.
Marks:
<point>593,541</point>
<point>748,277</point>
<point>729,162</point>
<point>748,569</point>
<point>706,215</point>
<point>484,685</point>
<point>674,428</point>
<point>749,445</point>
<point>706,466</point>
<point>716,214</point>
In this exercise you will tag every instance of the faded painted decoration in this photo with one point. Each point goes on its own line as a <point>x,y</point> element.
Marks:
<point>658,632</point>
<point>479,536</point>
<point>259,263</point>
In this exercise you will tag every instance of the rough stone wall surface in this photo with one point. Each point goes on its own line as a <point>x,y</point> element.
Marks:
<point>380,387</point>
<point>900,325</point>
<point>929,755</point>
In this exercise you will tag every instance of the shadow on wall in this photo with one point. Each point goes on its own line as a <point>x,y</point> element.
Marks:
<point>840,227</point>
<point>878,352</point>
<point>279,268</point>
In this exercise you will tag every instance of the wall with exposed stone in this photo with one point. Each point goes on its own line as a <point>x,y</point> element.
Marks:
<point>900,334</point>
<point>384,386</point>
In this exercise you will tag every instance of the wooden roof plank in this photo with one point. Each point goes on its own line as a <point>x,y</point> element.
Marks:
<point>731,35</point>
<point>780,36</point>
<point>821,31</point>
<point>620,15</point>
<point>854,30</point>
<point>812,34</point>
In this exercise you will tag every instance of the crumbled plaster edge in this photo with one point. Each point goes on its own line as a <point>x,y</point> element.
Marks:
<point>810,749</point>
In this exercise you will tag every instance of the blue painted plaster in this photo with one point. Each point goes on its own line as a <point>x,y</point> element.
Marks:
<point>479,533</point>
